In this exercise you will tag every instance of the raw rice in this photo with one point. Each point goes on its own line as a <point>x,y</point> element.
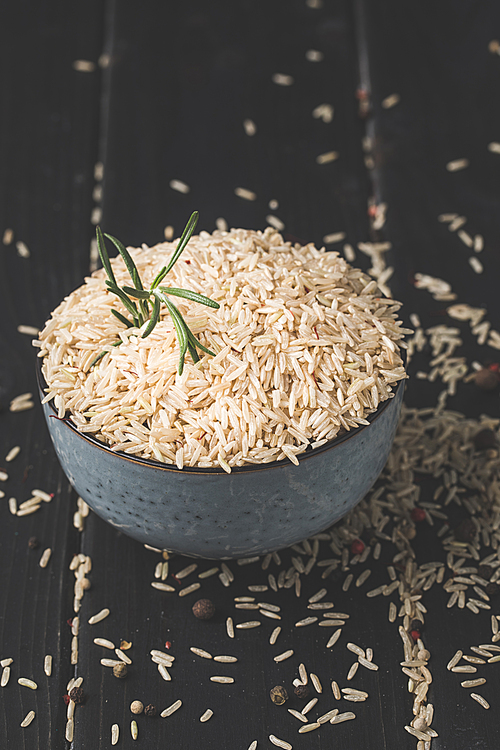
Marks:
<point>479,698</point>
<point>316,682</point>
<point>327,157</point>
<point>309,727</point>
<point>179,186</point>
<point>284,655</point>
<point>200,652</point>
<point>457,164</point>
<point>104,642</point>
<point>226,659</point>
<point>391,101</point>
<point>282,79</point>
<point>115,734</point>
<point>274,635</point>
<point>298,715</point>
<point>171,709</point>
<point>309,706</point>
<point>28,719</point>
<point>69,730</point>
<point>221,679</point>
<point>262,332</point>
<point>189,589</point>
<point>339,718</point>
<point>207,715</point>
<point>27,683</point>
<point>83,66</point>
<point>11,455</point>
<point>47,665</point>
<point>279,743</point>
<point>99,616</point>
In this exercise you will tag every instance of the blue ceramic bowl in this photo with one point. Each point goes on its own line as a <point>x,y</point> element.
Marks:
<point>208,513</point>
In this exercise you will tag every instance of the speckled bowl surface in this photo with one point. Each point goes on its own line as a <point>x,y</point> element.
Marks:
<point>208,513</point>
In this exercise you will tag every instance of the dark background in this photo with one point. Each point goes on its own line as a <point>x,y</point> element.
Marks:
<point>168,101</point>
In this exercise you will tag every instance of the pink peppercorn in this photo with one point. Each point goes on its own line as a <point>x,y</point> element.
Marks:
<point>357,547</point>
<point>417,514</point>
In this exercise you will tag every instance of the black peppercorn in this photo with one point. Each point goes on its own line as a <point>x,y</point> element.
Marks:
<point>492,589</point>
<point>150,710</point>
<point>33,542</point>
<point>120,671</point>
<point>203,609</point>
<point>278,695</point>
<point>484,571</point>
<point>486,379</point>
<point>417,625</point>
<point>76,695</point>
<point>484,440</point>
<point>302,691</point>
<point>466,531</point>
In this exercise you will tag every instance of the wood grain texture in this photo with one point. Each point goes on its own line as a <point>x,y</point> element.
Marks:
<point>181,79</point>
<point>49,133</point>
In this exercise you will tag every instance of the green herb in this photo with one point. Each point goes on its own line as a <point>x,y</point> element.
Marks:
<point>138,301</point>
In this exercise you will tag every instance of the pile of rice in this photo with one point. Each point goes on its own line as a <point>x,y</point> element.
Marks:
<point>306,347</point>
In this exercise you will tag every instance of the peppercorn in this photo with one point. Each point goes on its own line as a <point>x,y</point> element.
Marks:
<point>484,571</point>
<point>203,609</point>
<point>409,532</point>
<point>66,699</point>
<point>417,625</point>
<point>120,671</point>
<point>150,710</point>
<point>137,707</point>
<point>465,531</point>
<point>302,691</point>
<point>415,634</point>
<point>76,695</point>
<point>420,725</point>
<point>33,542</point>
<point>484,440</point>
<point>357,547</point>
<point>486,380</point>
<point>492,589</point>
<point>424,654</point>
<point>278,695</point>
<point>417,514</point>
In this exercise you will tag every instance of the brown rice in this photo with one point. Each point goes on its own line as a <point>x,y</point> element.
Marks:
<point>306,347</point>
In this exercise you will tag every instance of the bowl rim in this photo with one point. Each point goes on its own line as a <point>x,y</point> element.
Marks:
<point>212,470</point>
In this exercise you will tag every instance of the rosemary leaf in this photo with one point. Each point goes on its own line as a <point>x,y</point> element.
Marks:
<point>139,293</point>
<point>122,318</point>
<point>127,259</point>
<point>192,349</point>
<point>154,318</point>
<point>131,306</point>
<point>180,329</point>
<point>185,237</point>
<point>101,245</point>
<point>102,354</point>
<point>194,341</point>
<point>188,294</point>
<point>159,278</point>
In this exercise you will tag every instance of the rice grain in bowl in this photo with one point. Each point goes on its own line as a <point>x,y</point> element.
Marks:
<point>305,347</point>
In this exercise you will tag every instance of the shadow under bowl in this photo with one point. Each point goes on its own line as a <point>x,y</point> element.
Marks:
<point>208,513</point>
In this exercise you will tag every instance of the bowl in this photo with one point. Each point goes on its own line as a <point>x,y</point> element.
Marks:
<point>205,512</point>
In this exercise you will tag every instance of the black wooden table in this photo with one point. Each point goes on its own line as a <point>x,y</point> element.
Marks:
<point>161,92</point>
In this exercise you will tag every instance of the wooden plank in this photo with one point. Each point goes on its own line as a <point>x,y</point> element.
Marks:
<point>176,103</point>
<point>49,145</point>
<point>437,60</point>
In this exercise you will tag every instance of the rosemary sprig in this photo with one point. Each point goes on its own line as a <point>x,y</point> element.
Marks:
<point>137,300</point>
